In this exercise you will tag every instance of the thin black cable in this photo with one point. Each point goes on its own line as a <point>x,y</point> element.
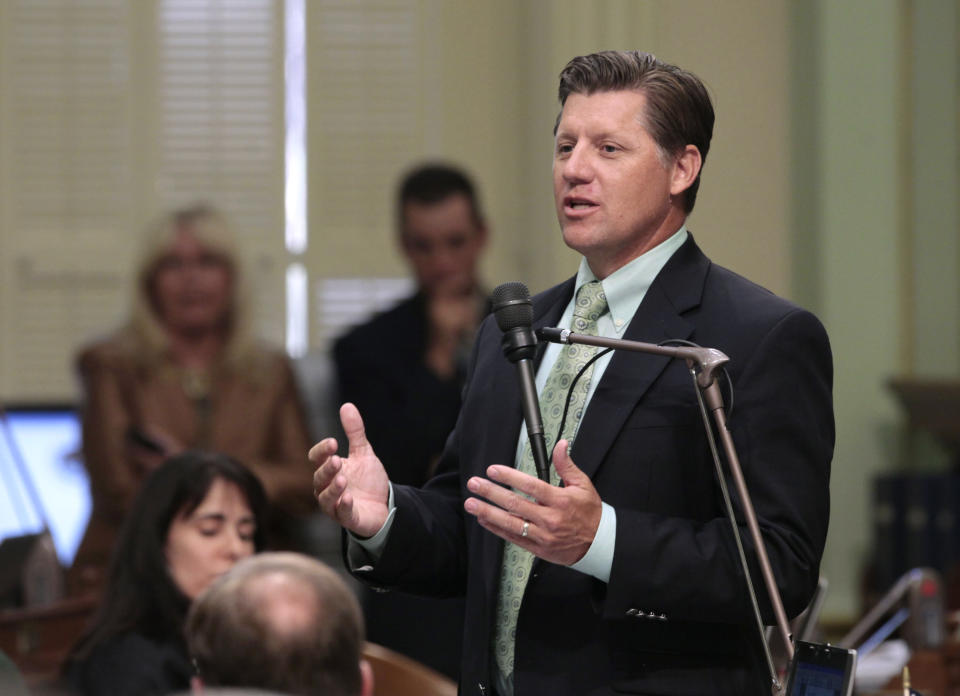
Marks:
<point>566,406</point>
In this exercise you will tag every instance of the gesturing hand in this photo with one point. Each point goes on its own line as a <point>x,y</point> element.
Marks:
<point>354,490</point>
<point>452,320</point>
<point>558,525</point>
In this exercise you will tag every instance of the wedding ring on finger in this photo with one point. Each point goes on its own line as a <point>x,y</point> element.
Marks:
<point>526,528</point>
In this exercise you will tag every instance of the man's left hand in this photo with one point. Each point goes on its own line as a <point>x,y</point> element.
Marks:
<point>560,522</point>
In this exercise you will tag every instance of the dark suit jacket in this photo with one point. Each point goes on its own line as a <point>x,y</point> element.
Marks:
<point>675,616</point>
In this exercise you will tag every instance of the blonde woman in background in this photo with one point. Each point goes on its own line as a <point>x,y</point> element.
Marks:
<point>183,373</point>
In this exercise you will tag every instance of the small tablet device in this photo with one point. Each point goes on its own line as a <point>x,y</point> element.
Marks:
<point>821,670</point>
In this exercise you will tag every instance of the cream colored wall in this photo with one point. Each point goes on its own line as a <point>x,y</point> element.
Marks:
<point>932,185</point>
<point>742,215</point>
<point>884,261</point>
<point>860,204</point>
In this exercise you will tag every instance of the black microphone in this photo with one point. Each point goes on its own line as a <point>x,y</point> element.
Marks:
<point>514,314</point>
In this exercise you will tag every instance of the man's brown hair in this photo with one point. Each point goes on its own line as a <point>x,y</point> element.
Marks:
<point>434,182</point>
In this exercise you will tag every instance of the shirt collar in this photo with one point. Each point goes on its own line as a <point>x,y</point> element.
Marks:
<point>626,287</point>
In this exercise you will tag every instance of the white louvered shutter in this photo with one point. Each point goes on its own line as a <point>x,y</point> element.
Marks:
<point>111,111</point>
<point>220,103</point>
<point>65,170</point>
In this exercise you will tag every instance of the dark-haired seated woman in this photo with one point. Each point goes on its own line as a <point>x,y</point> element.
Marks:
<point>193,519</point>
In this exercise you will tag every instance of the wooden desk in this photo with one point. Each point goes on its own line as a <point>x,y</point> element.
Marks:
<point>38,639</point>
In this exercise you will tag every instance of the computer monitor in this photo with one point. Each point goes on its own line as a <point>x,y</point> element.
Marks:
<point>41,443</point>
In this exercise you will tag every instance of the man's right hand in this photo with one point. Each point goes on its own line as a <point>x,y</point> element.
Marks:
<point>452,320</point>
<point>354,490</point>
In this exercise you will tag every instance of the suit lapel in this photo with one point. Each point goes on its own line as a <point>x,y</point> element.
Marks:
<point>676,290</point>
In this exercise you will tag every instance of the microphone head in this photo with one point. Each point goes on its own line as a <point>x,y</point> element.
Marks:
<point>511,306</point>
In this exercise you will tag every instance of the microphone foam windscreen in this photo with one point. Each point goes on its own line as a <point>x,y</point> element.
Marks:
<point>511,305</point>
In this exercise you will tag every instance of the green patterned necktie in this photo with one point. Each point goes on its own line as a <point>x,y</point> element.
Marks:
<point>517,562</point>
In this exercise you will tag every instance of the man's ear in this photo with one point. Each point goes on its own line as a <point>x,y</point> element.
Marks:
<point>366,678</point>
<point>686,168</point>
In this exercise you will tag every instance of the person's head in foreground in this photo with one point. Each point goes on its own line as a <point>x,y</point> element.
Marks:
<point>195,516</point>
<point>280,622</point>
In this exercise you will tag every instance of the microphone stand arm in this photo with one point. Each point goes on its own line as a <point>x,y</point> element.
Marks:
<point>704,364</point>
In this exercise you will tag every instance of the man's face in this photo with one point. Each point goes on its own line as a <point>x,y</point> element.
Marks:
<point>611,185</point>
<point>443,242</point>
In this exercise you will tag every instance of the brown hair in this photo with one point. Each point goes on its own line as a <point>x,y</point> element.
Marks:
<point>304,638</point>
<point>678,111</point>
<point>435,182</point>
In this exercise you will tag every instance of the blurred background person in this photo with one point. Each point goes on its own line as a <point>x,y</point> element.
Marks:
<point>406,365</point>
<point>194,518</point>
<point>186,372</point>
<point>280,622</point>
<point>405,369</point>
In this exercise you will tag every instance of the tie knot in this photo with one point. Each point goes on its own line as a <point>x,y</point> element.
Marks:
<point>591,302</point>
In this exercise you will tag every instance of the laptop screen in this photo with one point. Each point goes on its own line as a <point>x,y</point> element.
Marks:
<point>42,478</point>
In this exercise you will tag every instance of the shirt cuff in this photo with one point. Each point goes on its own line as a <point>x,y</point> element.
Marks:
<point>598,560</point>
<point>374,545</point>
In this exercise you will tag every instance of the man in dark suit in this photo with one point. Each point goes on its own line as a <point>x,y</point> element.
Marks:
<point>634,584</point>
<point>405,370</point>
